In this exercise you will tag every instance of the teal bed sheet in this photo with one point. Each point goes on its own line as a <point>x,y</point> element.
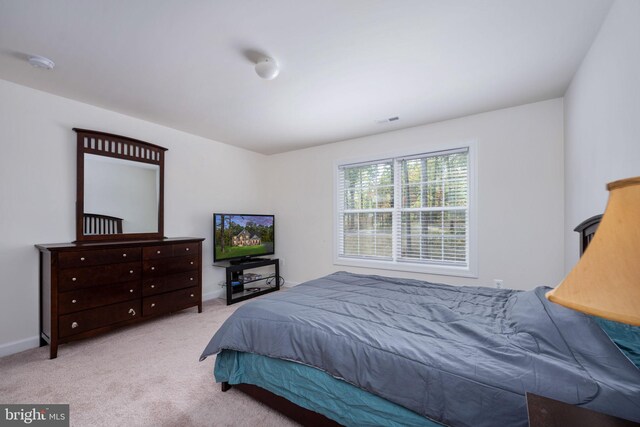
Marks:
<point>314,389</point>
<point>626,337</point>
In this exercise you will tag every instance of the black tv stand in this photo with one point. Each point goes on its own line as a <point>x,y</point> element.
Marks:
<point>246,260</point>
<point>262,283</point>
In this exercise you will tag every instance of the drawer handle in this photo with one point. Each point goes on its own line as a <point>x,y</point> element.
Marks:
<point>131,290</point>
<point>191,278</point>
<point>132,312</point>
<point>187,249</point>
<point>130,271</point>
<point>153,286</point>
<point>124,255</point>
<point>73,279</point>
<point>153,304</point>
<point>191,295</point>
<point>158,252</point>
<point>191,263</point>
<point>153,268</point>
<point>73,301</point>
<point>74,325</point>
<point>81,258</point>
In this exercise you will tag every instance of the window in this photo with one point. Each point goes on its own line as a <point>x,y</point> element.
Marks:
<point>410,213</point>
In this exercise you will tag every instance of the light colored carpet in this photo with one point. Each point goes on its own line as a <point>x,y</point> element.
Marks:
<point>145,375</point>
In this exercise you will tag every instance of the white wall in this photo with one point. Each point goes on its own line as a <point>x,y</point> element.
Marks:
<point>38,181</point>
<point>520,195</point>
<point>602,120</point>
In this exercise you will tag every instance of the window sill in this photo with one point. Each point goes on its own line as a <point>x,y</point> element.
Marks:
<point>408,267</point>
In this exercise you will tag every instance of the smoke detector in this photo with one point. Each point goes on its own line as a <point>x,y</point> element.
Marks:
<point>41,62</point>
<point>267,69</point>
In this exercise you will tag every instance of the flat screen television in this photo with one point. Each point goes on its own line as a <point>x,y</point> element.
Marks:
<point>242,237</point>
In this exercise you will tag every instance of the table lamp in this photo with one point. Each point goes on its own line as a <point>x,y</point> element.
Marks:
<point>606,280</point>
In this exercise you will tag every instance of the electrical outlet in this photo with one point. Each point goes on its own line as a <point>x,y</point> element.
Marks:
<point>499,283</point>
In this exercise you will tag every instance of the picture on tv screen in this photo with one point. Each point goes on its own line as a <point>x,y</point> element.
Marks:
<point>240,236</point>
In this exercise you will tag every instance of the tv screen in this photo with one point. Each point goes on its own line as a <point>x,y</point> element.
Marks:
<point>242,236</point>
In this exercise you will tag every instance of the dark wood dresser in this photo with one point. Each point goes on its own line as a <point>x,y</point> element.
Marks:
<point>90,288</point>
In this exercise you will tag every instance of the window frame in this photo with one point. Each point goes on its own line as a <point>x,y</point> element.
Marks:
<point>471,270</point>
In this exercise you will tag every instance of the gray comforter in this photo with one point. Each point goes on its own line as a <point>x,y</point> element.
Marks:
<point>463,356</point>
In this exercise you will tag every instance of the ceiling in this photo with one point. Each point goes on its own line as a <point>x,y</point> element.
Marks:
<point>345,64</point>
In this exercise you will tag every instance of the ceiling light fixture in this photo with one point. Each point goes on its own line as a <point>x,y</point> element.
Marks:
<point>41,62</point>
<point>267,69</point>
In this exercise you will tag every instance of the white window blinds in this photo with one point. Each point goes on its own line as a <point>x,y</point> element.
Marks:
<point>412,209</point>
<point>366,210</point>
<point>433,214</point>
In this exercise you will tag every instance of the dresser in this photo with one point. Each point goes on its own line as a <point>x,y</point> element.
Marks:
<point>90,288</point>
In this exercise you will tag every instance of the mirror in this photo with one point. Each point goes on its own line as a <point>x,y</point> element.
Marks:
<point>124,190</point>
<point>120,188</point>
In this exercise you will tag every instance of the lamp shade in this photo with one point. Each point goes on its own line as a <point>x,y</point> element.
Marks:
<point>606,280</point>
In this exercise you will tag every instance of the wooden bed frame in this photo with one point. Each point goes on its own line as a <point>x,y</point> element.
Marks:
<point>287,408</point>
<point>587,230</point>
<point>101,224</point>
<point>306,417</point>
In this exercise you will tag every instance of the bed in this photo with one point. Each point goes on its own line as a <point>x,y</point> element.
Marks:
<point>370,350</point>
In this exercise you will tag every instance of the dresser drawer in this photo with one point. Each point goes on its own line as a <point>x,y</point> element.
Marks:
<point>82,321</point>
<point>171,301</point>
<point>166,251</point>
<point>162,267</point>
<point>184,249</point>
<point>77,278</point>
<point>156,252</point>
<point>69,302</point>
<point>157,285</point>
<point>98,257</point>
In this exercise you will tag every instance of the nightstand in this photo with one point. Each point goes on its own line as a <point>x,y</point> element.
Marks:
<point>546,412</point>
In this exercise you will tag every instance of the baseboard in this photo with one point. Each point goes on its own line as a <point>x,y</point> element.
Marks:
<point>19,345</point>
<point>213,295</point>
<point>288,284</point>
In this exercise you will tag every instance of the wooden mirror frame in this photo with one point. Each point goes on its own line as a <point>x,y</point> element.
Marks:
<point>118,147</point>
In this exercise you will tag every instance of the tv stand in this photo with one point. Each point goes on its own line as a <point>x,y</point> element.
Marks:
<point>247,260</point>
<point>237,278</point>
